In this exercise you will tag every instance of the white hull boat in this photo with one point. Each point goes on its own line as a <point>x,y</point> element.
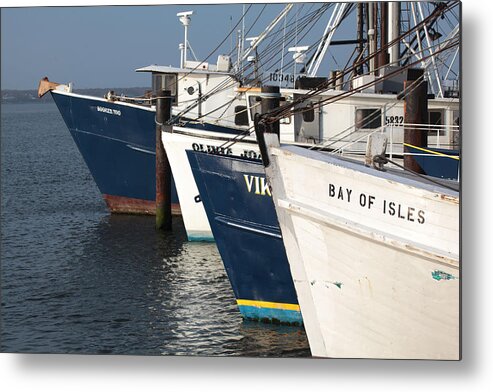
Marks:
<point>374,256</point>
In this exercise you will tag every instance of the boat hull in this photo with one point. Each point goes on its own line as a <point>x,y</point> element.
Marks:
<point>373,279</point>
<point>436,162</point>
<point>243,219</point>
<point>176,143</point>
<point>117,142</point>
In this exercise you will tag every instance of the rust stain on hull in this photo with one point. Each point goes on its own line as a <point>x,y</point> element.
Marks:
<point>127,205</point>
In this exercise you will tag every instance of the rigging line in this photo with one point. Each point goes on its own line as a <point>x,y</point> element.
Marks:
<point>409,65</point>
<point>253,24</point>
<point>227,107</point>
<point>409,90</point>
<point>365,59</point>
<point>237,74</point>
<point>285,110</point>
<point>217,47</point>
<point>305,25</point>
<point>238,138</point>
<point>306,19</point>
<point>256,20</point>
<point>316,55</point>
<point>326,85</point>
<point>273,57</point>
<point>268,51</point>
<point>318,105</point>
<point>347,132</point>
<point>230,102</point>
<point>226,84</point>
<point>440,10</point>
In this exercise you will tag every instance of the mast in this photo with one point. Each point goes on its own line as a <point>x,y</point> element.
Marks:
<point>359,38</point>
<point>185,21</point>
<point>372,47</point>
<point>383,55</point>
<point>394,30</point>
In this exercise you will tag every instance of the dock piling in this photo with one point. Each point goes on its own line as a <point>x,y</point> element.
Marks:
<point>415,113</point>
<point>163,168</point>
<point>271,99</point>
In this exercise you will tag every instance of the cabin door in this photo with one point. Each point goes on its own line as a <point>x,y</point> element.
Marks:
<point>307,122</point>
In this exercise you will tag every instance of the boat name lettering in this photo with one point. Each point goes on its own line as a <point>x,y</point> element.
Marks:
<point>109,110</point>
<point>250,154</point>
<point>388,207</point>
<point>212,149</point>
<point>257,185</point>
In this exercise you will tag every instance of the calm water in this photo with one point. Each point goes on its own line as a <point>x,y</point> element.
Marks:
<point>75,279</point>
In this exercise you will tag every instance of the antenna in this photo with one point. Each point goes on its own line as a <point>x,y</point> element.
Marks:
<point>298,56</point>
<point>253,59</point>
<point>251,40</point>
<point>185,21</point>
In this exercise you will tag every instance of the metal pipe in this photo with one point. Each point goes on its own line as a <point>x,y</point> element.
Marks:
<point>371,37</point>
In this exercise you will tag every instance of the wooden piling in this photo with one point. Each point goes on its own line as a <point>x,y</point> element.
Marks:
<point>415,113</point>
<point>383,56</point>
<point>163,168</point>
<point>271,99</point>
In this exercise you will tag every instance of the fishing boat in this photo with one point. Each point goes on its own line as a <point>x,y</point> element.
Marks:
<point>374,255</point>
<point>115,134</point>
<point>364,104</point>
<point>373,251</point>
<point>238,203</point>
<point>225,180</point>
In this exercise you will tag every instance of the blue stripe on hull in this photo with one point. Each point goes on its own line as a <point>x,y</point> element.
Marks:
<point>247,234</point>
<point>435,165</point>
<point>281,316</point>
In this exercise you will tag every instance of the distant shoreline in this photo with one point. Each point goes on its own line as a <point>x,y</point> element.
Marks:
<point>31,96</point>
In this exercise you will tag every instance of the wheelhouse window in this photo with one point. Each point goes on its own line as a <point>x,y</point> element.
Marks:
<point>435,120</point>
<point>368,119</point>
<point>308,113</point>
<point>435,117</point>
<point>241,115</point>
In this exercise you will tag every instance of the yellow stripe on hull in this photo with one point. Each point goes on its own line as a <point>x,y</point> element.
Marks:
<point>271,305</point>
<point>432,152</point>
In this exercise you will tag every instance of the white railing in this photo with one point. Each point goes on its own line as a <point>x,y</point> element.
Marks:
<point>395,135</point>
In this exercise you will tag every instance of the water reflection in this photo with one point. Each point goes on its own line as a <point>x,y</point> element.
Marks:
<point>76,279</point>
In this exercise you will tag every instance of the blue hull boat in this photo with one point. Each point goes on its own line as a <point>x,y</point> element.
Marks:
<point>243,220</point>
<point>118,143</point>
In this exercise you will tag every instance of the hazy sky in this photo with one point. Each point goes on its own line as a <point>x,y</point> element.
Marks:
<point>102,46</point>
